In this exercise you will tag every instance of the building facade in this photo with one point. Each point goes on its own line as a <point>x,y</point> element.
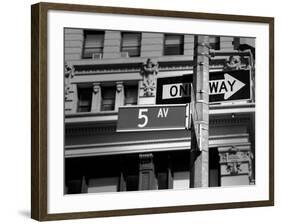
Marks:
<point>104,71</point>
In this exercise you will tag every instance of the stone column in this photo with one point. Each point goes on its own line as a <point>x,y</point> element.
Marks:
<point>236,165</point>
<point>96,98</point>
<point>119,96</point>
<point>199,164</point>
<point>146,172</point>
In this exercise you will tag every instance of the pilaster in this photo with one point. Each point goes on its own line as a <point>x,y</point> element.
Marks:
<point>96,98</point>
<point>119,96</point>
<point>146,172</point>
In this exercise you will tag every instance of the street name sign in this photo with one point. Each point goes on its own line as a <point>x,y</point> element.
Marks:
<point>153,118</point>
<point>223,86</point>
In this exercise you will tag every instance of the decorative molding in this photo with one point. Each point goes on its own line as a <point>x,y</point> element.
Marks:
<point>146,146</point>
<point>119,87</point>
<point>88,131</point>
<point>234,168</point>
<point>149,72</point>
<point>236,161</point>
<point>236,63</point>
<point>234,154</point>
<point>228,121</point>
<point>126,67</point>
<point>145,156</point>
<point>69,73</point>
<point>96,88</point>
<point>146,172</point>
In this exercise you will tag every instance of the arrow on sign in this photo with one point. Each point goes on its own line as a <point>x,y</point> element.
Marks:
<point>227,86</point>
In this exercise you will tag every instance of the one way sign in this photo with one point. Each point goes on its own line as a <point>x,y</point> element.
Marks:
<point>230,85</point>
<point>227,86</point>
<point>223,86</point>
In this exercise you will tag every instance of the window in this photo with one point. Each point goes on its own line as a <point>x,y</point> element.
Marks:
<point>214,167</point>
<point>108,98</point>
<point>131,43</point>
<point>93,43</point>
<point>172,170</point>
<point>84,99</point>
<point>214,42</point>
<point>236,43</point>
<point>173,44</point>
<point>162,180</point>
<point>73,176</point>
<point>100,177</point>
<point>131,95</point>
<point>129,180</point>
<point>180,170</point>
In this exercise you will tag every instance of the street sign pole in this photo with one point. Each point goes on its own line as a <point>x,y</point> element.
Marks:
<point>199,170</point>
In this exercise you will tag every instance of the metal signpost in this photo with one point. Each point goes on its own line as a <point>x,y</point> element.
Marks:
<point>199,154</point>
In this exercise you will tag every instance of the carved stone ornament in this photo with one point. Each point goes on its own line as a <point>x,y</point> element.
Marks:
<point>234,168</point>
<point>68,75</point>
<point>149,71</point>
<point>233,159</point>
<point>96,88</point>
<point>233,63</point>
<point>119,87</point>
<point>250,157</point>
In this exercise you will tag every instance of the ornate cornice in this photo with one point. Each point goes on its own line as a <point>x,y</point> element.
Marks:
<point>88,131</point>
<point>110,128</point>
<point>228,121</point>
<point>89,69</point>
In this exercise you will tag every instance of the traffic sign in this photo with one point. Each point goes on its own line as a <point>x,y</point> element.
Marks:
<point>173,90</point>
<point>223,86</point>
<point>153,118</point>
<point>229,86</point>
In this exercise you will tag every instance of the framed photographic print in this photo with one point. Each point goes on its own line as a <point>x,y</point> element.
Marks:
<point>138,111</point>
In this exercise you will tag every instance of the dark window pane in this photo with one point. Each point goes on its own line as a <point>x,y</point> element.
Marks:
<point>74,186</point>
<point>84,99</point>
<point>93,43</point>
<point>108,98</point>
<point>214,167</point>
<point>73,176</point>
<point>162,180</point>
<point>131,43</point>
<point>236,43</point>
<point>173,44</point>
<point>131,95</point>
<point>132,182</point>
<point>214,43</point>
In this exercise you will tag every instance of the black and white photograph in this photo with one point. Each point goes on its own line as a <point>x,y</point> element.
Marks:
<point>142,111</point>
<point>157,111</point>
